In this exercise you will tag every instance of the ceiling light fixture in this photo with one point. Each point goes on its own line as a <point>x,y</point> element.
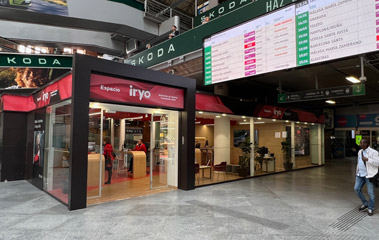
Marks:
<point>223,114</point>
<point>200,112</point>
<point>258,122</point>
<point>352,79</point>
<point>274,120</point>
<point>330,101</point>
<point>259,118</point>
<point>218,116</point>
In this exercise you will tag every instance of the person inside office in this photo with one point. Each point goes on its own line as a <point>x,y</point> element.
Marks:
<point>140,146</point>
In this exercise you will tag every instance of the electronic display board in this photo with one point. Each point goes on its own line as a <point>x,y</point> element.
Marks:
<point>304,33</point>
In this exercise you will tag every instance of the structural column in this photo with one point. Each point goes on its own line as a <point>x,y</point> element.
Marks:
<point>252,153</point>
<point>222,140</point>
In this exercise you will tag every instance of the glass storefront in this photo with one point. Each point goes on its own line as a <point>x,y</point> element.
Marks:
<point>135,170</point>
<point>226,149</point>
<point>57,150</point>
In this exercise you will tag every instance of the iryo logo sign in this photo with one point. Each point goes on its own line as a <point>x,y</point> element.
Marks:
<point>134,92</point>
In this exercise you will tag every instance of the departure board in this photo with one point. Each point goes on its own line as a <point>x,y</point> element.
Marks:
<point>307,32</point>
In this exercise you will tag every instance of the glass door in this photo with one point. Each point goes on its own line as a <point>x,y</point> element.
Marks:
<point>95,177</point>
<point>163,160</point>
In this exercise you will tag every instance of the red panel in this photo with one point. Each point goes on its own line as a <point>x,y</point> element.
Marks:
<point>121,90</point>
<point>210,103</point>
<point>18,103</point>
<point>55,92</point>
<point>267,111</point>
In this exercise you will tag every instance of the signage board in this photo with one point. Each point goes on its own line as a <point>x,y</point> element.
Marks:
<point>345,121</point>
<point>368,120</point>
<point>53,93</point>
<point>336,92</point>
<point>55,7</point>
<point>358,139</point>
<point>300,34</point>
<point>35,61</point>
<point>219,10</point>
<point>193,40</point>
<point>122,90</point>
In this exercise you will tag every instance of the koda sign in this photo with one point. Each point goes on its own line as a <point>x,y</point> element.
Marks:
<point>35,61</point>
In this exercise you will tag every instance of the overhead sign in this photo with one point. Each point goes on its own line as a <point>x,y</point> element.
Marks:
<point>220,10</point>
<point>35,61</point>
<point>193,40</point>
<point>337,92</point>
<point>308,32</point>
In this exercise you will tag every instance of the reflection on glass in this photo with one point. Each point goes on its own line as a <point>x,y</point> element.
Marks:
<point>57,150</point>
<point>94,154</point>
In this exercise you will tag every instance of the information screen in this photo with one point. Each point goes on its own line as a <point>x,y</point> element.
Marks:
<point>308,32</point>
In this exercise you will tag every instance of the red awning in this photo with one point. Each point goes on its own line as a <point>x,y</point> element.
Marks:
<point>210,103</point>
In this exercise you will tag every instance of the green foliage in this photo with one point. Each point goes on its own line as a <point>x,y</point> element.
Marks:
<point>7,77</point>
<point>244,160</point>
<point>286,149</point>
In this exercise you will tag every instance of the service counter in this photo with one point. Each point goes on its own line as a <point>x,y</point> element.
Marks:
<point>139,163</point>
<point>93,178</point>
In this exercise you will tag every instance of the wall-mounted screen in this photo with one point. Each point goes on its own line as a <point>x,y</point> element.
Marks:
<point>304,33</point>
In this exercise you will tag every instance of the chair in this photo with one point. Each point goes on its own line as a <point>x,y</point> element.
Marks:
<point>197,172</point>
<point>220,168</point>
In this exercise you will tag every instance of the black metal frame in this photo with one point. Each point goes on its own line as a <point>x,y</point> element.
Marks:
<point>83,67</point>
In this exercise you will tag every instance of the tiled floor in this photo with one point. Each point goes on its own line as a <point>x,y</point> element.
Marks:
<point>303,204</point>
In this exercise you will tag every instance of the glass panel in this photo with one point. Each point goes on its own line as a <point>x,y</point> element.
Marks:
<point>303,156</point>
<point>314,142</point>
<point>95,154</point>
<point>57,150</point>
<point>164,160</point>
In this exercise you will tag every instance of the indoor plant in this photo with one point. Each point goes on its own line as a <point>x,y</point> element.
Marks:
<point>286,149</point>
<point>244,160</point>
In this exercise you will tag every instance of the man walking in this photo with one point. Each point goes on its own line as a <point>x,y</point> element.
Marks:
<point>367,168</point>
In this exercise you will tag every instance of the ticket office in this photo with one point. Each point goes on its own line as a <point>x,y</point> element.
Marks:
<point>64,128</point>
<point>220,141</point>
<point>134,172</point>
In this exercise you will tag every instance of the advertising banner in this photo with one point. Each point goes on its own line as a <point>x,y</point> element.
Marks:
<point>273,112</point>
<point>345,121</point>
<point>368,120</point>
<point>121,90</point>
<point>13,78</point>
<point>55,7</point>
<point>38,147</point>
<point>60,90</point>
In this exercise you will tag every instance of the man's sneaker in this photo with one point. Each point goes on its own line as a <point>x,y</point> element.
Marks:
<point>363,207</point>
<point>370,212</point>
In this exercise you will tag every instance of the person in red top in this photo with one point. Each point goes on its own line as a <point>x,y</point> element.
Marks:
<point>140,146</point>
<point>108,154</point>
